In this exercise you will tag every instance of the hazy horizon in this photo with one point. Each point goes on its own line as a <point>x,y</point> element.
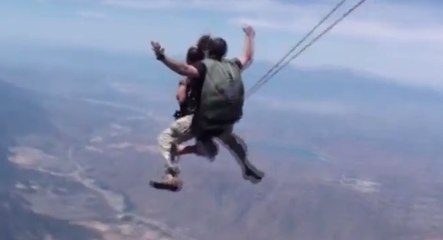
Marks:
<point>349,135</point>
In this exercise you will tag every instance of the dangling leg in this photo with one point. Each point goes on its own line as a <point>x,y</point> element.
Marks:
<point>168,140</point>
<point>238,149</point>
<point>206,148</point>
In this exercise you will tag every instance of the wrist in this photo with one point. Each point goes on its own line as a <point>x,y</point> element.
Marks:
<point>161,57</point>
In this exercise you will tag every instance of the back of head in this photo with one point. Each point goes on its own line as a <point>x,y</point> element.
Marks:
<point>203,42</point>
<point>217,48</point>
<point>194,55</point>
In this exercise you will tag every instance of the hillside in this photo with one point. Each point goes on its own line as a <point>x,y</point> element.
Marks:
<point>346,155</point>
<point>21,115</point>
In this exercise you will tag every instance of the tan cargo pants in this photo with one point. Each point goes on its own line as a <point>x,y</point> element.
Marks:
<point>180,131</point>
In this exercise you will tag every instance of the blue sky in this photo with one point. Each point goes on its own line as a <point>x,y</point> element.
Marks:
<point>392,38</point>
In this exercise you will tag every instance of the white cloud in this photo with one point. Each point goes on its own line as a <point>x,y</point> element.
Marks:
<point>374,21</point>
<point>241,6</point>
<point>371,21</point>
<point>91,15</point>
<point>389,23</point>
<point>144,4</point>
<point>357,29</point>
<point>399,41</point>
<point>251,8</point>
<point>384,31</point>
<point>396,39</point>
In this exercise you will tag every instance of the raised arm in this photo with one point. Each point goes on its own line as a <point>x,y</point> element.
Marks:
<point>248,55</point>
<point>177,66</point>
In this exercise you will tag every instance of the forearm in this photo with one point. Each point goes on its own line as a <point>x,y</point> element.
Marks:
<point>248,52</point>
<point>249,48</point>
<point>181,68</point>
<point>176,66</point>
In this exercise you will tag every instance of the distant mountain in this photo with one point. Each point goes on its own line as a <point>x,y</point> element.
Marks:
<point>346,155</point>
<point>107,75</point>
<point>92,69</point>
<point>21,114</point>
<point>314,104</point>
<point>20,111</point>
<point>339,85</point>
<point>348,99</point>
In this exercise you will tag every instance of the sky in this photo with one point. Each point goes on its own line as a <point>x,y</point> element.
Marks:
<point>398,39</point>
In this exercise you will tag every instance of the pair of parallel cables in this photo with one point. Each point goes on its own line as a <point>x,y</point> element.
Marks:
<point>279,66</point>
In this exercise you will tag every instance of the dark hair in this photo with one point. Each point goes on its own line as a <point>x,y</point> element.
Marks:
<point>194,54</point>
<point>203,42</point>
<point>217,48</point>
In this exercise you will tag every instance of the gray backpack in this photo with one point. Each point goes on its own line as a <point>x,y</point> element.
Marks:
<point>222,97</point>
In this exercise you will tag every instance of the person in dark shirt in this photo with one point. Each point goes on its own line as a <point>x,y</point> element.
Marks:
<point>185,95</point>
<point>179,131</point>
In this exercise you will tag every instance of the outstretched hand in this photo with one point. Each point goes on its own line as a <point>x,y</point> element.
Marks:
<point>158,50</point>
<point>249,31</point>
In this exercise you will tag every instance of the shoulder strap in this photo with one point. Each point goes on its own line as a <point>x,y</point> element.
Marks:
<point>208,61</point>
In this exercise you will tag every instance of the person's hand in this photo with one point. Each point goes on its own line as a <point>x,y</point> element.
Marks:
<point>249,31</point>
<point>158,50</point>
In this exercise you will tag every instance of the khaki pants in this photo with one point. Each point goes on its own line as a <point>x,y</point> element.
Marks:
<point>177,133</point>
<point>180,131</point>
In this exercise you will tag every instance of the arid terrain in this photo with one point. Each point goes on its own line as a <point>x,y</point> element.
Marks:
<point>345,156</point>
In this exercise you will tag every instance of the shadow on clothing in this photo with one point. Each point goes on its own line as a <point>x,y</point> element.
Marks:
<point>238,149</point>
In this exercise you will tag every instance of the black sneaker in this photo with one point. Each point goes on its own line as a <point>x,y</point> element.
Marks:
<point>168,182</point>
<point>253,176</point>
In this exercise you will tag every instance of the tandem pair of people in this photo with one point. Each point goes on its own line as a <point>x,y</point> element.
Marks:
<point>210,97</point>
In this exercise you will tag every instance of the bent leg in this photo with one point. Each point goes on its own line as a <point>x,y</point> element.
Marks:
<point>206,148</point>
<point>238,149</point>
<point>188,149</point>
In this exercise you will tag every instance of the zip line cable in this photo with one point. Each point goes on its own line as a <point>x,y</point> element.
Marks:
<point>301,41</point>
<point>261,83</point>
